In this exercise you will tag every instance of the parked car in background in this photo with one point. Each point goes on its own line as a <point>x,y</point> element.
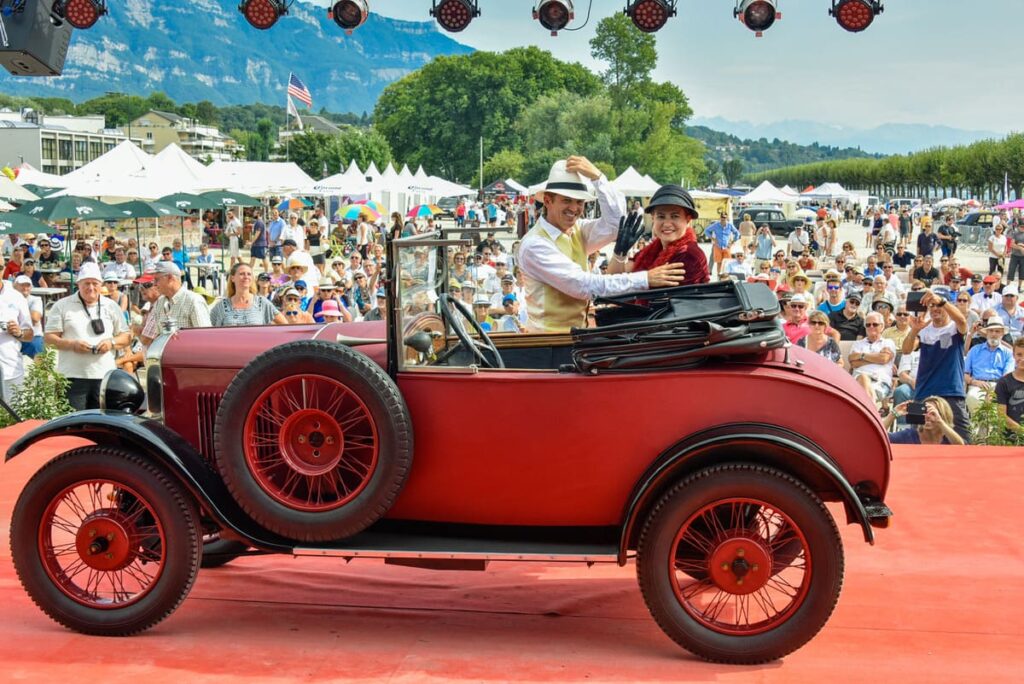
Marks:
<point>448,205</point>
<point>976,227</point>
<point>770,216</point>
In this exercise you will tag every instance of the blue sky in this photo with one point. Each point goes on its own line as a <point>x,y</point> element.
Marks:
<point>922,61</point>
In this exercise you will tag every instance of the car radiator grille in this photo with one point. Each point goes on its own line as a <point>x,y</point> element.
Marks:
<point>207,404</point>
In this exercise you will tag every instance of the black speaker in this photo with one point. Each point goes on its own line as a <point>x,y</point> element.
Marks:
<point>30,45</point>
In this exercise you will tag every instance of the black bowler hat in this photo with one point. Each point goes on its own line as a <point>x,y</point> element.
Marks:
<point>674,196</point>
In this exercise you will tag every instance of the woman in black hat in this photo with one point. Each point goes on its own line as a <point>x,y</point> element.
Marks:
<point>673,211</point>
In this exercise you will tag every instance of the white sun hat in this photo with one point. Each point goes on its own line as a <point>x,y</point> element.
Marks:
<point>566,183</point>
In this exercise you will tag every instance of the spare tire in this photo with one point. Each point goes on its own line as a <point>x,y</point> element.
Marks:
<point>313,440</point>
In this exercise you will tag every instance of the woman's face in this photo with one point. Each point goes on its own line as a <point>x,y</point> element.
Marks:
<point>242,279</point>
<point>670,223</point>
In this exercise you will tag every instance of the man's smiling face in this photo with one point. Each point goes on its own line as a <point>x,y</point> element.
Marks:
<point>562,212</point>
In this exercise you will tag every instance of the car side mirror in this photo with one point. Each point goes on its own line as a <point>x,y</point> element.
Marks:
<point>421,341</point>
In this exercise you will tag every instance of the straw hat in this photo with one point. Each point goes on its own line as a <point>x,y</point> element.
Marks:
<point>566,183</point>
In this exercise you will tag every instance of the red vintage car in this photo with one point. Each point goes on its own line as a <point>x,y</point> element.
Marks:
<point>681,432</point>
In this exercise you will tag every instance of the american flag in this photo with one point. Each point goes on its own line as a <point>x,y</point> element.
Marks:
<point>298,89</point>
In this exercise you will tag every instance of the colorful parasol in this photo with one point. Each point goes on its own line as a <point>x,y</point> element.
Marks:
<point>352,212</point>
<point>424,210</point>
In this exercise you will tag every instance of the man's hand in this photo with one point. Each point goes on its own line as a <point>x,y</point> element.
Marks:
<point>81,346</point>
<point>104,346</point>
<point>666,275</point>
<point>919,322</point>
<point>582,166</point>
<point>631,227</point>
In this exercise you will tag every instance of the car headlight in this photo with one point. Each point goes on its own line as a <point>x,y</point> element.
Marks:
<point>120,391</point>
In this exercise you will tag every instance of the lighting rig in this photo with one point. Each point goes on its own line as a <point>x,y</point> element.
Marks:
<point>650,15</point>
<point>855,15</point>
<point>554,15</point>
<point>262,14</point>
<point>757,15</point>
<point>81,14</point>
<point>455,15</point>
<point>349,14</point>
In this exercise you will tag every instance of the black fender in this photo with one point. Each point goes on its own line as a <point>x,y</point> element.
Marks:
<point>767,445</point>
<point>170,450</point>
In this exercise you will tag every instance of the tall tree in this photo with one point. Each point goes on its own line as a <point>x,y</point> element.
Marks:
<point>732,169</point>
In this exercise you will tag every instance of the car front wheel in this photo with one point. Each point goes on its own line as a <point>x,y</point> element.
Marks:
<point>740,563</point>
<point>105,542</point>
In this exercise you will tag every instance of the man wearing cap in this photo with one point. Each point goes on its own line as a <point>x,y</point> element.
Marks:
<point>508,320</point>
<point>986,363</point>
<point>184,308</point>
<point>506,287</point>
<point>1011,312</point>
<point>988,298</point>
<point>294,232</point>
<point>86,329</point>
<point>380,311</point>
<point>291,307</point>
<point>835,296</point>
<point>848,322</point>
<point>23,284</point>
<point>16,320</point>
<point>940,372</point>
<point>737,266</point>
<point>481,312</point>
<point>796,326</point>
<point>553,255</point>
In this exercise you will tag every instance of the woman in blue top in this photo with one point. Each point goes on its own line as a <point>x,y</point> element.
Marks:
<point>937,427</point>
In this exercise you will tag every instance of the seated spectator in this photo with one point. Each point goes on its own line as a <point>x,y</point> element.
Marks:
<point>988,298</point>
<point>849,322</point>
<point>243,305</point>
<point>792,271</point>
<point>871,269</point>
<point>807,262</point>
<point>737,266</point>
<point>877,290</point>
<point>926,272</point>
<point>802,286</point>
<point>986,364</point>
<point>854,282</point>
<point>292,308</point>
<point>871,359</point>
<point>900,327</point>
<point>819,341</point>
<point>906,375</point>
<point>835,296</point>
<point>883,305</point>
<point>378,313</point>
<point>963,304</point>
<point>509,321</point>
<point>893,284</point>
<point>902,257</point>
<point>953,268</point>
<point>978,338</point>
<point>796,326</point>
<point>331,312</point>
<point>481,312</point>
<point>1011,313</point>
<point>937,427</point>
<point>1009,393</point>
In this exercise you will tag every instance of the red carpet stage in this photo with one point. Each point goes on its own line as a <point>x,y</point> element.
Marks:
<point>936,600</point>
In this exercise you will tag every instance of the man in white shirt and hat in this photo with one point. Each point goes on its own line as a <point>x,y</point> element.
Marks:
<point>16,328</point>
<point>553,255</point>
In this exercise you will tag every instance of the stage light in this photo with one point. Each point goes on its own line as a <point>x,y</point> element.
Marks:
<point>349,14</point>
<point>757,15</point>
<point>650,15</point>
<point>262,14</point>
<point>855,15</point>
<point>454,15</point>
<point>554,15</point>
<point>81,14</point>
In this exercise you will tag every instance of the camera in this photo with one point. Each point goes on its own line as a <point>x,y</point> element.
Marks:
<point>914,301</point>
<point>915,412</point>
<point>97,326</point>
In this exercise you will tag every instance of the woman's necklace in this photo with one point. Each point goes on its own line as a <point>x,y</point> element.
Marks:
<point>241,302</point>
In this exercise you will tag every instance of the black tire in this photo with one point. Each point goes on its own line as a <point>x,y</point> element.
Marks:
<point>218,552</point>
<point>161,538</point>
<point>786,509</point>
<point>265,435</point>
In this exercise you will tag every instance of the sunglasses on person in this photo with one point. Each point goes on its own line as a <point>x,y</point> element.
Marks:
<point>818,323</point>
<point>832,288</point>
<point>797,306</point>
<point>872,325</point>
<point>937,306</point>
<point>902,314</point>
<point>146,286</point>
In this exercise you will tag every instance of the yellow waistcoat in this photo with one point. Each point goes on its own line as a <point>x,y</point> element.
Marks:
<point>552,310</point>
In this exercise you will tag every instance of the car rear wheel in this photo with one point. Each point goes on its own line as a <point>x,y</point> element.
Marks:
<point>104,542</point>
<point>740,563</point>
<point>313,440</point>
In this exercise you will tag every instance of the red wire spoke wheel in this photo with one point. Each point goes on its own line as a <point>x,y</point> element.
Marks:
<point>105,542</point>
<point>733,543</point>
<point>740,563</point>
<point>313,441</point>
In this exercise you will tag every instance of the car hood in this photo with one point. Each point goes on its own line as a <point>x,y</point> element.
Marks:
<point>236,347</point>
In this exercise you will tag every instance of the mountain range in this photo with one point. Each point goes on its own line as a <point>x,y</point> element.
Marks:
<point>205,50</point>
<point>884,139</point>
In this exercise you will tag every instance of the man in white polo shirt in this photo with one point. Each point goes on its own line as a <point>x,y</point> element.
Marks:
<point>86,329</point>
<point>16,328</point>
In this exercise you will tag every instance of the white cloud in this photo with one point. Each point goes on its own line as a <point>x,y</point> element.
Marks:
<point>139,12</point>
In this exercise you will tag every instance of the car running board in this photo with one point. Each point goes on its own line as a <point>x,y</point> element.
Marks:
<point>448,553</point>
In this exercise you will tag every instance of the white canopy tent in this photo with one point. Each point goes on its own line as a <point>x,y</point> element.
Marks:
<point>169,172</point>
<point>766,193</point>
<point>12,191</point>
<point>259,179</point>
<point>124,159</point>
<point>827,191</point>
<point>790,191</point>
<point>30,175</point>
<point>518,187</point>
<point>632,184</point>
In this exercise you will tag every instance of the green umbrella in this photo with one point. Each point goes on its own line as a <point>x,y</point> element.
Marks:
<point>40,190</point>
<point>66,208</point>
<point>187,202</point>
<point>137,209</point>
<point>16,224</point>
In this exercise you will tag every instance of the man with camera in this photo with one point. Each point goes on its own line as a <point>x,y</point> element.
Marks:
<point>940,372</point>
<point>86,329</point>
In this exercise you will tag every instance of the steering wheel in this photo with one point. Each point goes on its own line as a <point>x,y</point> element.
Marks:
<point>475,346</point>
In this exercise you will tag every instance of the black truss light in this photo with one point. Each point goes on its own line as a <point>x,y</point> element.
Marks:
<point>757,15</point>
<point>262,14</point>
<point>454,15</point>
<point>855,15</point>
<point>81,14</point>
<point>554,15</point>
<point>349,14</point>
<point>650,15</point>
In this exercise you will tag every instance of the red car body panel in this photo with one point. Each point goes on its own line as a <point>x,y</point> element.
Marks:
<point>549,448</point>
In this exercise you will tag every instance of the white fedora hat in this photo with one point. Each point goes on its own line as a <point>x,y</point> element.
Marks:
<point>566,183</point>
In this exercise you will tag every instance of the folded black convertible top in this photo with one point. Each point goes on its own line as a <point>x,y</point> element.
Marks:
<point>679,327</point>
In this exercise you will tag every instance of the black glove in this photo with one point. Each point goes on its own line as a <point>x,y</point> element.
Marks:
<point>631,227</point>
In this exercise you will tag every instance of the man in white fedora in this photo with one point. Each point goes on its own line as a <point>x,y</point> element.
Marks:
<point>553,255</point>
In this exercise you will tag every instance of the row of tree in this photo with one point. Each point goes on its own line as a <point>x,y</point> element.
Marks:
<point>528,109</point>
<point>977,170</point>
